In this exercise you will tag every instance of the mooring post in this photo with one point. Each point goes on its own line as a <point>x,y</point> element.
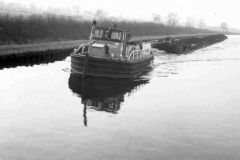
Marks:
<point>85,68</point>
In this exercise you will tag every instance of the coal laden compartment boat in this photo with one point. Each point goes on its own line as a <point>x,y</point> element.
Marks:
<point>186,45</point>
<point>110,54</point>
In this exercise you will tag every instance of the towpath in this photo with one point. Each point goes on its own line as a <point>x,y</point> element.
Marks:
<point>54,46</point>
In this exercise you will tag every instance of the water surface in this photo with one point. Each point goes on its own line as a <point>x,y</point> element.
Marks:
<point>186,108</point>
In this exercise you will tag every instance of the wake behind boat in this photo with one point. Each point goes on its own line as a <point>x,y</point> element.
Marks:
<point>109,54</point>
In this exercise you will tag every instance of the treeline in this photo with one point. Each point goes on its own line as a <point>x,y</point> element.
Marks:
<point>47,28</point>
<point>39,28</point>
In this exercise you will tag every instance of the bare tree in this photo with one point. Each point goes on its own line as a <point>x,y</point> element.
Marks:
<point>224,26</point>
<point>33,7</point>
<point>190,22</point>
<point>14,5</point>
<point>172,19</point>
<point>76,9</point>
<point>156,18</point>
<point>201,23</point>
<point>2,4</point>
<point>100,14</point>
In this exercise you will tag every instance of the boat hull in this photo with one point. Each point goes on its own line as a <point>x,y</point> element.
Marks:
<point>186,45</point>
<point>111,68</point>
<point>168,47</point>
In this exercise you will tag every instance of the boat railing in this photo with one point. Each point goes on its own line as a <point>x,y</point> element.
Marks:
<point>139,54</point>
<point>82,46</point>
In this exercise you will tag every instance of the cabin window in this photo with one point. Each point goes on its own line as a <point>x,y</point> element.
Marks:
<point>106,34</point>
<point>116,35</point>
<point>98,33</point>
<point>124,36</point>
<point>128,36</point>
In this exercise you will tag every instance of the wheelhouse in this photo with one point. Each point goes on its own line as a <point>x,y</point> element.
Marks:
<point>111,34</point>
<point>109,42</point>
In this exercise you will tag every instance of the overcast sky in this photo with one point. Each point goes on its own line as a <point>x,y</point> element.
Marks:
<point>212,11</point>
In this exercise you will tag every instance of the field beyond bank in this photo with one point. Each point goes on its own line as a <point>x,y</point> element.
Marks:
<point>51,28</point>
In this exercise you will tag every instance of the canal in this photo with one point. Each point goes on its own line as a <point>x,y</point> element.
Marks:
<point>185,108</point>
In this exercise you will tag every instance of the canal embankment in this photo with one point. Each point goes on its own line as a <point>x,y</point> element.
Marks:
<point>39,52</point>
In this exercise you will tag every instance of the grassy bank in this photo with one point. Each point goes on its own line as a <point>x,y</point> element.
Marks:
<point>49,28</point>
<point>42,47</point>
<point>29,54</point>
<point>37,47</point>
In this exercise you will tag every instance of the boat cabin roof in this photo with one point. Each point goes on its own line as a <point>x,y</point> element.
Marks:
<point>112,29</point>
<point>111,34</point>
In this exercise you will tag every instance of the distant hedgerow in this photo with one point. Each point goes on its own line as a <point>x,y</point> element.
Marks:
<point>46,28</point>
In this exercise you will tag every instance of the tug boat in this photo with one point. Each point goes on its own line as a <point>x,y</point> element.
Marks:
<point>110,54</point>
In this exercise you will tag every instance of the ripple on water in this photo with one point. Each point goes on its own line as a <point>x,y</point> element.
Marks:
<point>186,107</point>
<point>222,51</point>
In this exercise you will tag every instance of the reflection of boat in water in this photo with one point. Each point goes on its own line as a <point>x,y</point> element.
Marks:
<point>103,94</point>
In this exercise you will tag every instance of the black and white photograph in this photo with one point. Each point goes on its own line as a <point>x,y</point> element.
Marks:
<point>119,80</point>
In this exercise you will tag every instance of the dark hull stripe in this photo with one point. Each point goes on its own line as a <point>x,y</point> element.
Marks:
<point>115,69</point>
<point>109,62</point>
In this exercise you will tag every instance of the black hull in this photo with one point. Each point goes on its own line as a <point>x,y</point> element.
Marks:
<point>102,67</point>
<point>168,47</point>
<point>188,44</point>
